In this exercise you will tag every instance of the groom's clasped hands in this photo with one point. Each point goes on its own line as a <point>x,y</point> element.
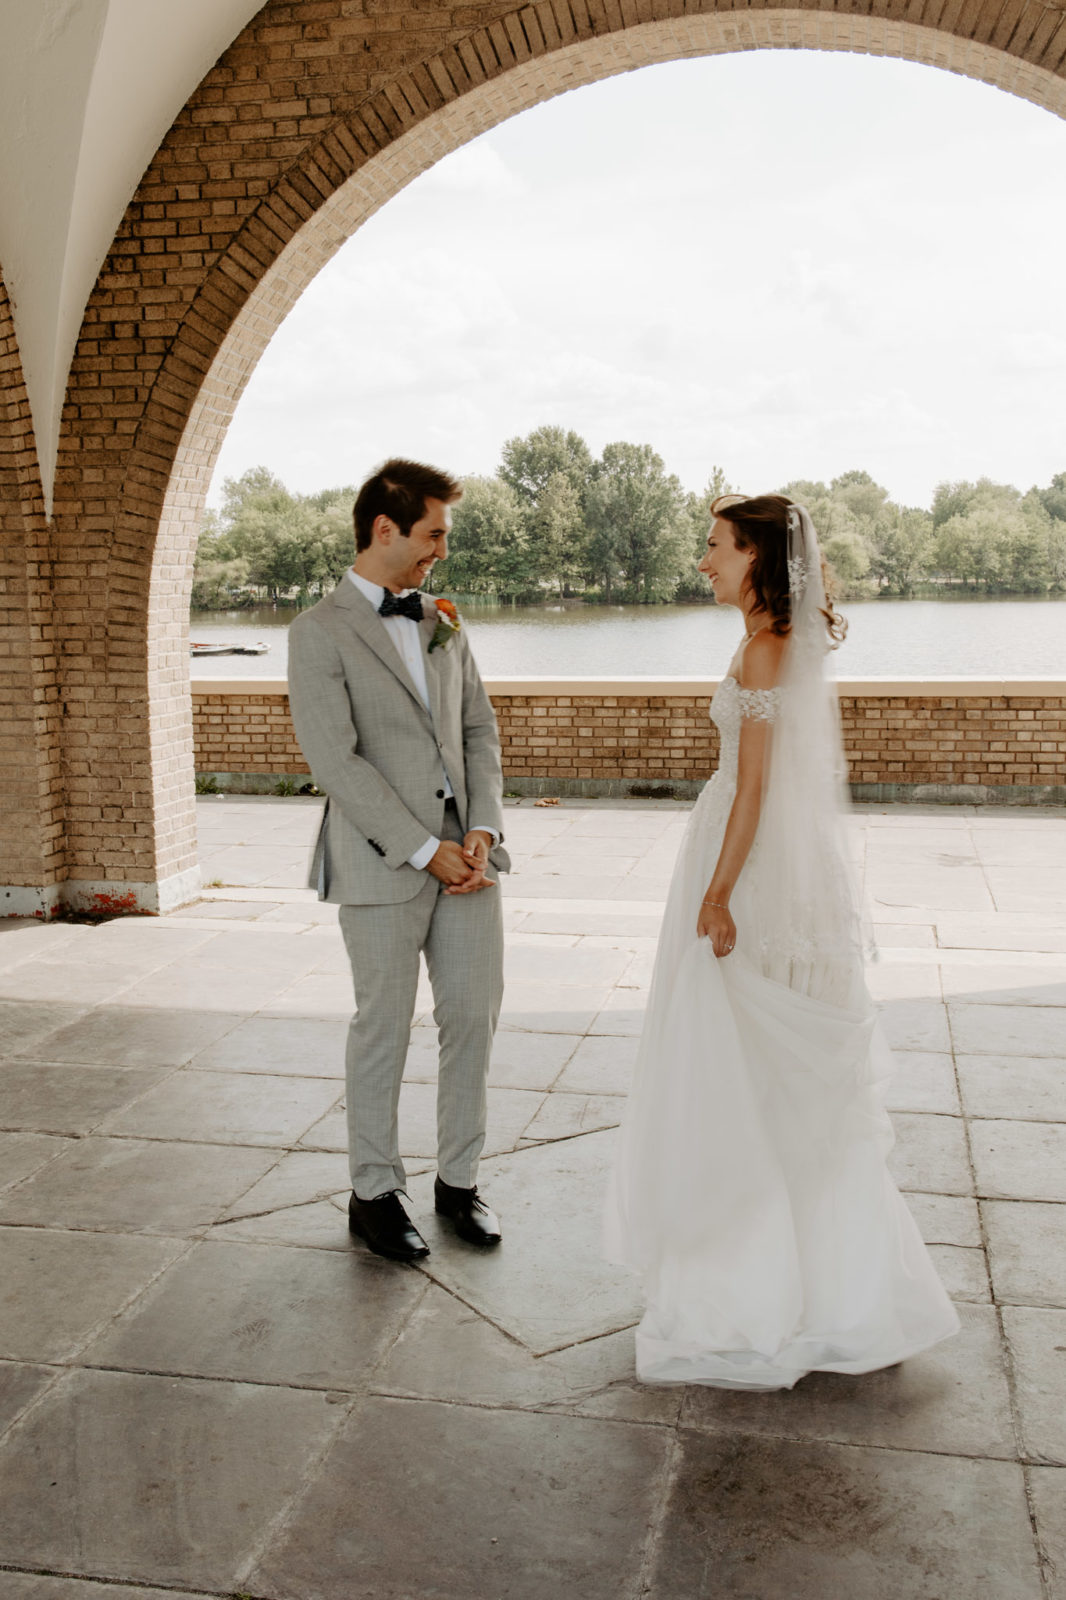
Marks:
<point>462,868</point>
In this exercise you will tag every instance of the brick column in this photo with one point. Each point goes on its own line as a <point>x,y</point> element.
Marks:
<point>32,851</point>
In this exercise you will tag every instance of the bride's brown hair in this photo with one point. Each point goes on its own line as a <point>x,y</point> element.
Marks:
<point>761,525</point>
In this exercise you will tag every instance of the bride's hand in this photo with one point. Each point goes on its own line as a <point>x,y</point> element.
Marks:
<point>716,924</point>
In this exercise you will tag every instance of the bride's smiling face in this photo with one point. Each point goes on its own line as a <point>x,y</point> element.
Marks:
<point>724,565</point>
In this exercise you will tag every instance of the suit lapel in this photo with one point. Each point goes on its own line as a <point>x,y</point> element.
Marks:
<point>368,625</point>
<point>425,634</point>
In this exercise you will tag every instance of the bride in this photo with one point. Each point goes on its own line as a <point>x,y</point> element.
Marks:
<point>750,1190</point>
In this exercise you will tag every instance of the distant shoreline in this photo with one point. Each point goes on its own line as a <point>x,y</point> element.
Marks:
<point>949,593</point>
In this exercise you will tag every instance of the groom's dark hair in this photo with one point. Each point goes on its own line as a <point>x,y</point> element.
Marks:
<point>399,490</point>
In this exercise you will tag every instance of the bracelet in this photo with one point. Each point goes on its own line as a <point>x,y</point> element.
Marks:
<point>720,904</point>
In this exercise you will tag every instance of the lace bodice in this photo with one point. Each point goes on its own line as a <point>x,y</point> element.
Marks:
<point>730,707</point>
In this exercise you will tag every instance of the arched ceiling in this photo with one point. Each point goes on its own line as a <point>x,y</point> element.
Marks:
<point>88,89</point>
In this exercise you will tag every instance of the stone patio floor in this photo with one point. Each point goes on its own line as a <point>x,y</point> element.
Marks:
<point>206,1388</point>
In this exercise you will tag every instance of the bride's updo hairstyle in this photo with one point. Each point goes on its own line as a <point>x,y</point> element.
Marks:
<point>761,525</point>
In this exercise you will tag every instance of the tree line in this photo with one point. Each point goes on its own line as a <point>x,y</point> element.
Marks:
<point>556,523</point>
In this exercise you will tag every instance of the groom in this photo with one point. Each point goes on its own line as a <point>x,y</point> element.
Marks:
<point>398,731</point>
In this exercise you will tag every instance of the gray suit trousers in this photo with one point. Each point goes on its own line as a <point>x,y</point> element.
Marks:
<point>462,939</point>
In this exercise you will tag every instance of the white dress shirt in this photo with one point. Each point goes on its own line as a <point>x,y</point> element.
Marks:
<point>403,631</point>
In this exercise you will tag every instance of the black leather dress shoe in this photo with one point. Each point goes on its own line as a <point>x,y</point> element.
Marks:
<point>470,1216</point>
<point>387,1229</point>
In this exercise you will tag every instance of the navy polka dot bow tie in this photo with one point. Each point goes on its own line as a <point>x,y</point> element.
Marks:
<point>402,605</point>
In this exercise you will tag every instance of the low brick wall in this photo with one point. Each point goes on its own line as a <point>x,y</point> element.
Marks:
<point>906,738</point>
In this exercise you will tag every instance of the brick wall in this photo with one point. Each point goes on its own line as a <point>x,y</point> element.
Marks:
<point>239,730</point>
<point>615,736</point>
<point>315,116</point>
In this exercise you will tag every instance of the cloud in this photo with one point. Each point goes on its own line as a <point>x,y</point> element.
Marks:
<point>1031,352</point>
<point>474,169</point>
<point>785,263</point>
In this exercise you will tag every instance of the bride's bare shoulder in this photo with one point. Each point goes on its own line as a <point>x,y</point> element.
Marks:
<point>763,657</point>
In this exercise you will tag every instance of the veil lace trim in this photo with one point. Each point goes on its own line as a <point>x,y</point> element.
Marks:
<point>808,910</point>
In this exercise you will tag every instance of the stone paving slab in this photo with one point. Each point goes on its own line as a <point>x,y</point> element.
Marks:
<point>953,1399</point>
<point>549,1286</point>
<point>317,1226</point>
<point>22,1024</point>
<point>1047,1488</point>
<point>447,1351</point>
<point>1009,1030</point>
<point>264,1314</point>
<point>775,1519</point>
<point>115,1036</point>
<point>1036,1339</point>
<point>169,1480</point>
<point>601,1064</point>
<point>21,940</point>
<point>23,1154</point>
<point>525,1505</point>
<point>28,1586</point>
<point>1020,1160</point>
<point>58,1288</point>
<point>963,1272</point>
<point>20,1382</point>
<point>946,1218</point>
<point>83,983</point>
<point>301,1046</point>
<point>1026,1251</point>
<point>1029,1089</point>
<point>924,1080</point>
<point>134,1186</point>
<point>40,1098</point>
<point>930,1154</point>
<point>208,1387</point>
<point>226,1108</point>
<point>298,1178</point>
<point>916,1024</point>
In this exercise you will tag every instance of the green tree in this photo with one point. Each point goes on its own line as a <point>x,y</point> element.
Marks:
<point>848,557</point>
<point>697,514</point>
<point>1053,498</point>
<point>487,547</point>
<point>958,499</point>
<point>1056,554</point>
<point>858,491</point>
<point>902,549</point>
<point>219,577</point>
<point>548,471</point>
<point>1024,557</point>
<point>217,585</point>
<point>529,464</point>
<point>636,515</point>
<point>284,543</point>
<point>555,533</point>
<point>968,547</point>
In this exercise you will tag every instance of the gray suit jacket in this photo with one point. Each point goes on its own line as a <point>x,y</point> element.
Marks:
<point>377,753</point>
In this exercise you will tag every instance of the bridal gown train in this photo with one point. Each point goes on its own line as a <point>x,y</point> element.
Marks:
<point>750,1189</point>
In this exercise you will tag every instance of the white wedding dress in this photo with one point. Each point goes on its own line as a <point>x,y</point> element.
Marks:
<point>750,1190</point>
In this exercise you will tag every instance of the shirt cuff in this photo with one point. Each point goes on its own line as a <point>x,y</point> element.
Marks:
<point>483,827</point>
<point>423,857</point>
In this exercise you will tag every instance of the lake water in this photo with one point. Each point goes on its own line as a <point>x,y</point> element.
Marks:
<point>887,638</point>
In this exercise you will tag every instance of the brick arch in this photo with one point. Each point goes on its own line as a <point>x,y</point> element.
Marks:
<point>313,119</point>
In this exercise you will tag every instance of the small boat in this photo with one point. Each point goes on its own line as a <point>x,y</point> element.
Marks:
<point>257,649</point>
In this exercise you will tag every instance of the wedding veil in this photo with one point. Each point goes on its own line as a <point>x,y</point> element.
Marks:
<point>810,927</point>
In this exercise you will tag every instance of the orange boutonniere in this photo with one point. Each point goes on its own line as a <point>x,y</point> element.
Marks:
<point>447,623</point>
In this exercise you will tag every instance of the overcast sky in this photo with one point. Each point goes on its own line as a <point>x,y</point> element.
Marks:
<point>785,263</point>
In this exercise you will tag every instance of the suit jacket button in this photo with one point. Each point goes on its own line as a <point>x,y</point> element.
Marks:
<point>440,794</point>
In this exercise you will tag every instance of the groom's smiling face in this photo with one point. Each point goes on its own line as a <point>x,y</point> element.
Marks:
<point>412,559</point>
